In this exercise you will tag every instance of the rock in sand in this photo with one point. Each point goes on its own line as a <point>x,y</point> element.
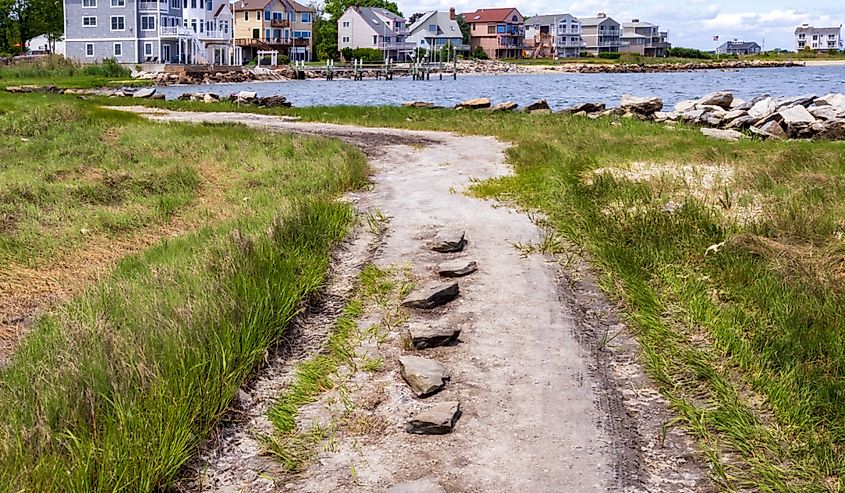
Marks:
<point>439,420</point>
<point>424,376</point>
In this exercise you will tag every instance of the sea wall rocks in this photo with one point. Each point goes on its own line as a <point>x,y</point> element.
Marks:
<point>492,67</point>
<point>188,76</point>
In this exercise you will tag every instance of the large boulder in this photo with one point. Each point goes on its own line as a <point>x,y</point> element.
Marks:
<point>641,106</point>
<point>795,101</point>
<point>537,105</point>
<point>424,376</point>
<point>762,108</point>
<point>796,114</point>
<point>506,106</point>
<point>832,130</point>
<point>274,102</point>
<point>686,105</point>
<point>836,100</point>
<point>586,108</point>
<point>473,104</point>
<point>722,99</point>
<point>826,112</point>
<point>144,92</point>
<point>772,130</point>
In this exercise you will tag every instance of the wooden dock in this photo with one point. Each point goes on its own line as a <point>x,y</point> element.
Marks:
<point>358,70</point>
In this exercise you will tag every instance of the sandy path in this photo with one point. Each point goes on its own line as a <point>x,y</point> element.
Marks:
<point>539,412</point>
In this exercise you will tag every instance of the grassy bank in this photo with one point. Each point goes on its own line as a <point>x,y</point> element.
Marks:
<point>64,73</point>
<point>114,389</point>
<point>727,258</point>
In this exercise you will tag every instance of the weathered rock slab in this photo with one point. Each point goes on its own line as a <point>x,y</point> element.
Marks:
<point>506,106</point>
<point>722,99</point>
<point>796,114</point>
<point>418,104</point>
<point>731,135</point>
<point>474,104</point>
<point>439,420</point>
<point>423,375</point>
<point>432,296</point>
<point>457,269</point>
<point>424,336</point>
<point>641,106</point>
<point>449,241</point>
<point>144,92</point>
<point>422,485</point>
<point>537,105</point>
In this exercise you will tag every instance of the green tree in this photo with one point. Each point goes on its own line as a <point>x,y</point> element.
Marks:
<point>332,11</point>
<point>462,24</point>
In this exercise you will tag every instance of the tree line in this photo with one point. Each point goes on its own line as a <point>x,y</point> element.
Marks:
<point>21,20</point>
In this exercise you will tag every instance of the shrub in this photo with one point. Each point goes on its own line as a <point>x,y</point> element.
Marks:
<point>479,54</point>
<point>610,55</point>
<point>371,55</point>
<point>689,53</point>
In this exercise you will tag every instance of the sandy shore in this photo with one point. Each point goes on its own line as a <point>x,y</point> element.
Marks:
<point>824,63</point>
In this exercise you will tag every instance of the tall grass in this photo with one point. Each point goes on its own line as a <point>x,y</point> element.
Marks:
<point>59,66</point>
<point>114,390</point>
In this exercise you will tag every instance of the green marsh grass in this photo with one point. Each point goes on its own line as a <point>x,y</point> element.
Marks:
<point>745,343</point>
<point>115,389</point>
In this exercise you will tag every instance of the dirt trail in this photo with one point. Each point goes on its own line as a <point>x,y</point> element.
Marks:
<point>543,408</point>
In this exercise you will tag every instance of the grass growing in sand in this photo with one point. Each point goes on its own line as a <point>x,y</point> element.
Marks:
<point>729,261</point>
<point>113,390</point>
<point>61,72</point>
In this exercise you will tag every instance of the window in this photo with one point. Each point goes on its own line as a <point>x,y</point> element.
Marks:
<point>89,49</point>
<point>387,39</point>
<point>256,33</point>
<point>148,49</point>
<point>292,16</point>
<point>118,3</point>
<point>346,39</point>
<point>375,40</point>
<point>266,15</point>
<point>148,23</point>
<point>345,23</point>
<point>432,28</point>
<point>118,23</point>
<point>306,17</point>
<point>90,21</point>
<point>89,4</point>
<point>246,15</point>
<point>201,25</point>
<point>194,24</point>
<point>208,5</point>
<point>175,4</point>
<point>224,27</point>
<point>118,49</point>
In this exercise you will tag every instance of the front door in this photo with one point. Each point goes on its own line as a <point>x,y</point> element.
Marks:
<point>165,53</point>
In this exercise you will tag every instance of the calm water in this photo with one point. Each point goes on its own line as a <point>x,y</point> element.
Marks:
<point>560,90</point>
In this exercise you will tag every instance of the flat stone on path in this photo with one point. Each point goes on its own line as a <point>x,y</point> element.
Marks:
<point>426,336</point>
<point>432,296</point>
<point>439,420</point>
<point>449,241</point>
<point>424,376</point>
<point>457,269</point>
<point>422,485</point>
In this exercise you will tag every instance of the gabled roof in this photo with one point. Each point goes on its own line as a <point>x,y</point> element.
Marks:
<point>637,24</point>
<point>252,4</point>
<point>373,18</point>
<point>446,27</point>
<point>221,7</point>
<point>739,45</point>
<point>548,20</point>
<point>298,7</point>
<point>490,15</point>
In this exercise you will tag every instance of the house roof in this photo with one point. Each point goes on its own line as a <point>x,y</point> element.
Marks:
<point>637,24</point>
<point>252,4</point>
<point>221,7</point>
<point>548,20</point>
<point>446,27</point>
<point>627,35</point>
<point>298,7</point>
<point>594,21</point>
<point>489,15</point>
<point>373,17</point>
<point>818,30</point>
<point>739,45</point>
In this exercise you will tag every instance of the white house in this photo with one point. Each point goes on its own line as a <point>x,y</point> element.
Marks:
<point>41,45</point>
<point>376,28</point>
<point>435,30</point>
<point>812,38</point>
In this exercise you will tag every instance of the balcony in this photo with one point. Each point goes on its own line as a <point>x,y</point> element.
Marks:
<point>271,43</point>
<point>176,32</point>
<point>279,23</point>
<point>396,46</point>
<point>215,35</point>
<point>148,6</point>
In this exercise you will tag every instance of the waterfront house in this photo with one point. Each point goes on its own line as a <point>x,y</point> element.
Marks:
<point>556,35</point>
<point>283,26</point>
<point>148,31</point>
<point>600,34</point>
<point>643,38</point>
<point>818,38</point>
<point>376,28</point>
<point>499,32</point>
<point>739,48</point>
<point>43,45</point>
<point>434,30</point>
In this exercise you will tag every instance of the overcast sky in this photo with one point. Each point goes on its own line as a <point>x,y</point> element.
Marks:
<point>691,23</point>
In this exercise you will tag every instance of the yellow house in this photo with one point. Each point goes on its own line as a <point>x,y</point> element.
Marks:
<point>281,25</point>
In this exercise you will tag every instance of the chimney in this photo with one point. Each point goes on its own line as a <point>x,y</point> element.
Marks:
<point>452,13</point>
<point>635,20</point>
<point>601,15</point>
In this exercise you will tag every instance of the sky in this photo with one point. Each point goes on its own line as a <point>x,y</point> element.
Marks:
<point>690,23</point>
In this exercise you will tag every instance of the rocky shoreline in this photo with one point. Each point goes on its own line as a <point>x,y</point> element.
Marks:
<point>464,67</point>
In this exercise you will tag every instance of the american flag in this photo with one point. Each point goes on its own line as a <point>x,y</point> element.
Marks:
<point>715,38</point>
